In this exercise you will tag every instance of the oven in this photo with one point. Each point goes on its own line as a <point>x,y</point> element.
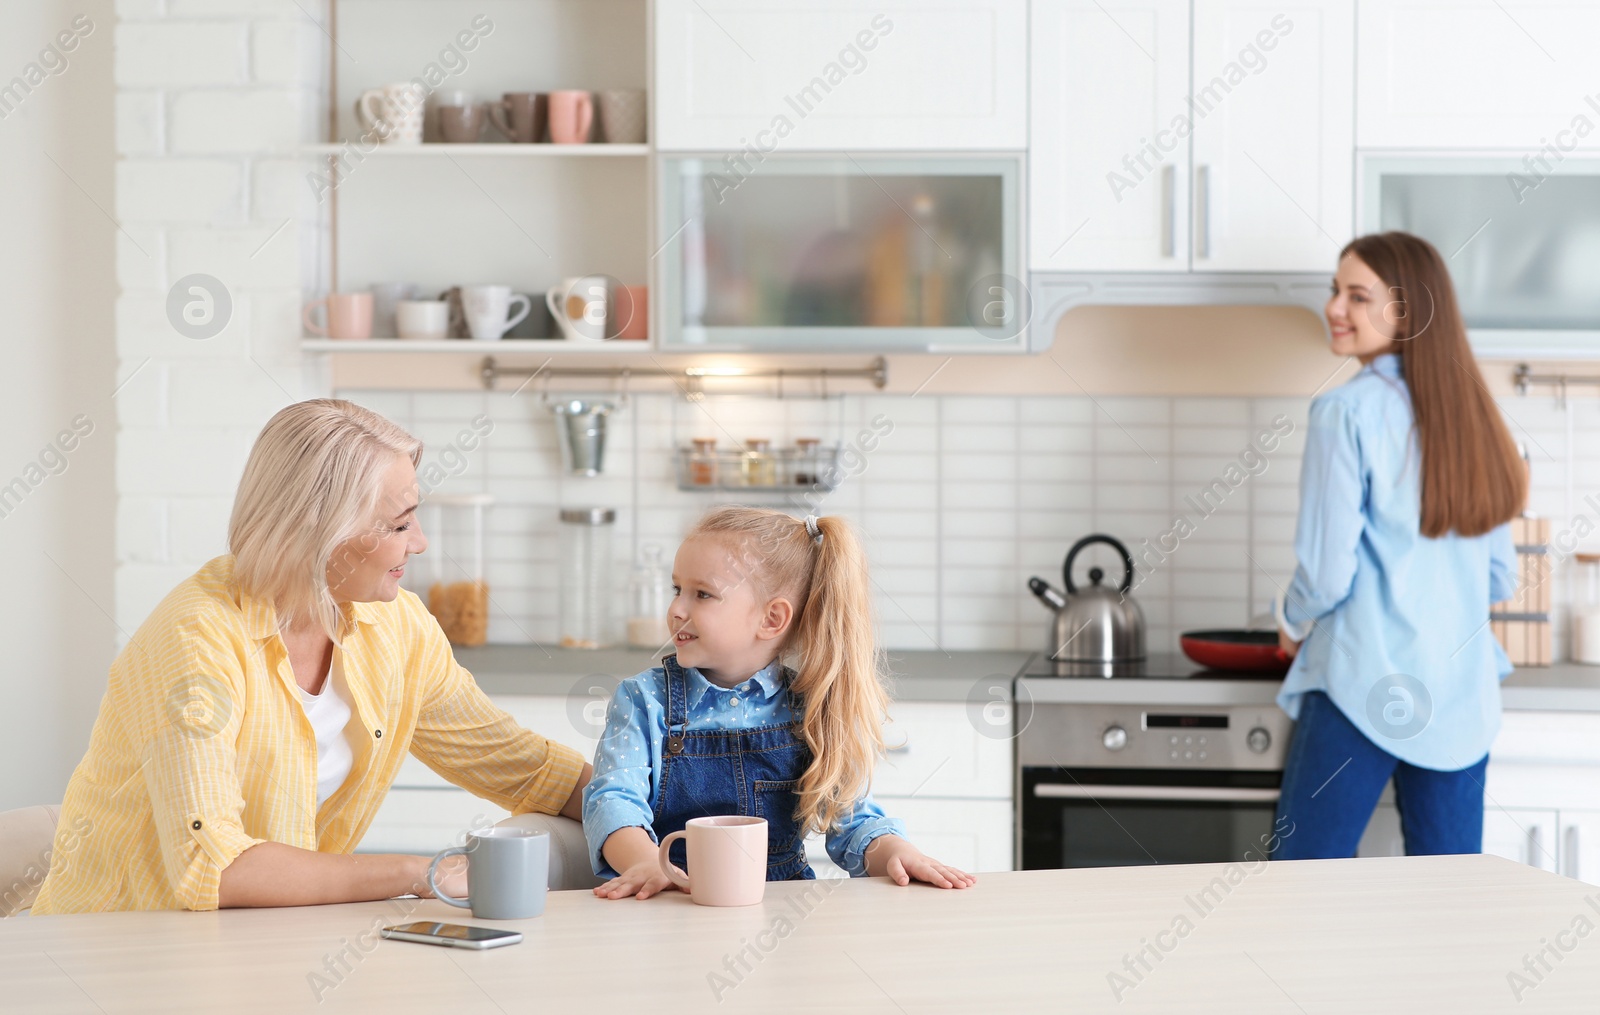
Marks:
<point>1113,783</point>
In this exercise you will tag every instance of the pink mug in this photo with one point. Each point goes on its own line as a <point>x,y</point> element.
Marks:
<point>571,116</point>
<point>727,860</point>
<point>348,315</point>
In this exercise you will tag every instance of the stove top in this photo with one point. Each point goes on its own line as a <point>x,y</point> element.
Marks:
<point>1155,666</point>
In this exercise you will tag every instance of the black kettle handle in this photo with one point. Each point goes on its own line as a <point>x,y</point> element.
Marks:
<point>1127,561</point>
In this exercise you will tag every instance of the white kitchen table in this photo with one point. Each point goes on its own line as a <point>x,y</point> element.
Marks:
<point>1418,934</point>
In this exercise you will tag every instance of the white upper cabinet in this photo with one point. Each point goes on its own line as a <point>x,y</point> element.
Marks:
<point>1273,177</point>
<point>804,76</point>
<point>1106,164</point>
<point>1508,74</point>
<point>1170,135</point>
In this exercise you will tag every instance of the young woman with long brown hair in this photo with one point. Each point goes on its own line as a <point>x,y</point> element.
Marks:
<point>1408,481</point>
<point>724,727</point>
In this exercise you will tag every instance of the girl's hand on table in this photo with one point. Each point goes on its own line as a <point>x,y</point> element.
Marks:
<point>903,863</point>
<point>641,880</point>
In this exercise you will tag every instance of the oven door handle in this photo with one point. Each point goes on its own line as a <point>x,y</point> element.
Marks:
<point>1213,794</point>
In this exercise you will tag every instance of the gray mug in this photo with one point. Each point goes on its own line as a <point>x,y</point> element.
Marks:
<point>509,873</point>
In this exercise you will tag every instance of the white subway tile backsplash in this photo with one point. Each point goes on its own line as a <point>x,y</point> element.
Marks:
<point>965,500</point>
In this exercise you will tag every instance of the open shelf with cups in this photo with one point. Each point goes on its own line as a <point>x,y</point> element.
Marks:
<point>474,155</point>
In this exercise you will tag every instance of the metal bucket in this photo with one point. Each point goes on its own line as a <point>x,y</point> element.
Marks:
<point>581,427</point>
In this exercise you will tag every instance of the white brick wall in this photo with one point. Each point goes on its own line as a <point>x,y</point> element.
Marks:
<point>213,98</point>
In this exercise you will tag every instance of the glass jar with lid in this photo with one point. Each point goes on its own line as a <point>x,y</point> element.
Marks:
<point>585,608</point>
<point>758,467</point>
<point>458,598</point>
<point>703,462</point>
<point>649,599</point>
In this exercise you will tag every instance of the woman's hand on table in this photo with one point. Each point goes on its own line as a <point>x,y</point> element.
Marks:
<point>903,863</point>
<point>452,877</point>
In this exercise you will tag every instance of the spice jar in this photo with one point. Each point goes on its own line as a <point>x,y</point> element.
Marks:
<point>649,599</point>
<point>806,460</point>
<point>758,467</point>
<point>586,576</point>
<point>459,601</point>
<point>703,462</point>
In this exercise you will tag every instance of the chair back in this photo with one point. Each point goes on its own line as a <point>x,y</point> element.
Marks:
<point>26,835</point>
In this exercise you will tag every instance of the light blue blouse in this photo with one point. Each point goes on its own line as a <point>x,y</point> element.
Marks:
<point>1396,624</point>
<point>627,764</point>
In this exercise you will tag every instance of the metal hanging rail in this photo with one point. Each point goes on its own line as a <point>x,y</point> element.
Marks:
<point>1524,377</point>
<point>877,372</point>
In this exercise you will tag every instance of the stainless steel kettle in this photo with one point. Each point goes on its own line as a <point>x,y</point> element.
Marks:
<point>1094,623</point>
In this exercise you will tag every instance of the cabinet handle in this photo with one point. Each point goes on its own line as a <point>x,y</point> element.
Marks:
<point>1169,212</point>
<point>1569,851</point>
<point>1535,849</point>
<point>1202,205</point>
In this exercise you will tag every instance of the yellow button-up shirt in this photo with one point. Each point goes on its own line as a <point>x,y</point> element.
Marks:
<point>202,748</point>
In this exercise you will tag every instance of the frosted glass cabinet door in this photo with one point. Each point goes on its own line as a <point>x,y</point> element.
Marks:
<point>828,75</point>
<point>850,252</point>
<point>1274,100</point>
<point>1108,169</point>
<point>1522,242</point>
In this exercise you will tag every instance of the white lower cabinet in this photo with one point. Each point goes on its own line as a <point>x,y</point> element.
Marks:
<point>1541,799</point>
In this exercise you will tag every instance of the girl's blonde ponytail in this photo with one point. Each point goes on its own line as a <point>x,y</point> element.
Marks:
<point>837,677</point>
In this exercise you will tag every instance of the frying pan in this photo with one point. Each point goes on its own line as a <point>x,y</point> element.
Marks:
<point>1237,650</point>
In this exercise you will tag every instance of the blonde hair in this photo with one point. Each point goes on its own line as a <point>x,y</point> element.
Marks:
<point>312,483</point>
<point>831,643</point>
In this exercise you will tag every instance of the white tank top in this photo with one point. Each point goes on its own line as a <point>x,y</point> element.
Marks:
<point>330,713</point>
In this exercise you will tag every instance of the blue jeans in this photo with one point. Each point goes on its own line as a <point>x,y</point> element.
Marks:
<point>1334,776</point>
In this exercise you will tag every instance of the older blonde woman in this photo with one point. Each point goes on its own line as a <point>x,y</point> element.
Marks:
<point>255,721</point>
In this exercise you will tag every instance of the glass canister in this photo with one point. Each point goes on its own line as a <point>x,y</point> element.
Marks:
<point>586,576</point>
<point>758,467</point>
<point>703,462</point>
<point>459,595</point>
<point>807,460</point>
<point>649,598</point>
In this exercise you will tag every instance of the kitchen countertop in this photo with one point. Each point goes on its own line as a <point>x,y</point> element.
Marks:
<point>1394,934</point>
<point>914,676</point>
<point>1563,687</point>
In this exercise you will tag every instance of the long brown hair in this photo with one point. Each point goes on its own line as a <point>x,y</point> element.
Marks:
<point>1472,477</point>
<point>830,641</point>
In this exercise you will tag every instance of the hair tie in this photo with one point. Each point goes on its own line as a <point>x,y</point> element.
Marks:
<point>812,530</point>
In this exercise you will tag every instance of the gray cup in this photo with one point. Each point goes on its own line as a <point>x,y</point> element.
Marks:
<point>509,873</point>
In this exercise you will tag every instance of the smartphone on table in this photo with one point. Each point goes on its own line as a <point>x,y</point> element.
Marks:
<point>451,935</point>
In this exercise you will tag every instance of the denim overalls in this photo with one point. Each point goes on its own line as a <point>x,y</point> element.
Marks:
<point>752,772</point>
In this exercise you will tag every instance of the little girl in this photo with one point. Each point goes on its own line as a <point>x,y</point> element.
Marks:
<point>724,728</point>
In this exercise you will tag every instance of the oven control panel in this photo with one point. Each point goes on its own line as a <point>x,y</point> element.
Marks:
<point>1137,736</point>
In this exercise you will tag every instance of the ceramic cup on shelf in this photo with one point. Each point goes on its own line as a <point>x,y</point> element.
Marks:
<point>571,116</point>
<point>581,307</point>
<point>622,115</point>
<point>488,310</point>
<point>521,116</point>
<point>422,319</point>
<point>393,113</point>
<point>725,857</point>
<point>386,297</point>
<point>345,315</point>
<point>461,118</point>
<point>630,313</point>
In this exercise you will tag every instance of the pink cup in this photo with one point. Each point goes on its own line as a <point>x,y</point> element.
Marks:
<point>348,315</point>
<point>727,860</point>
<point>571,116</point>
<point>632,312</point>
